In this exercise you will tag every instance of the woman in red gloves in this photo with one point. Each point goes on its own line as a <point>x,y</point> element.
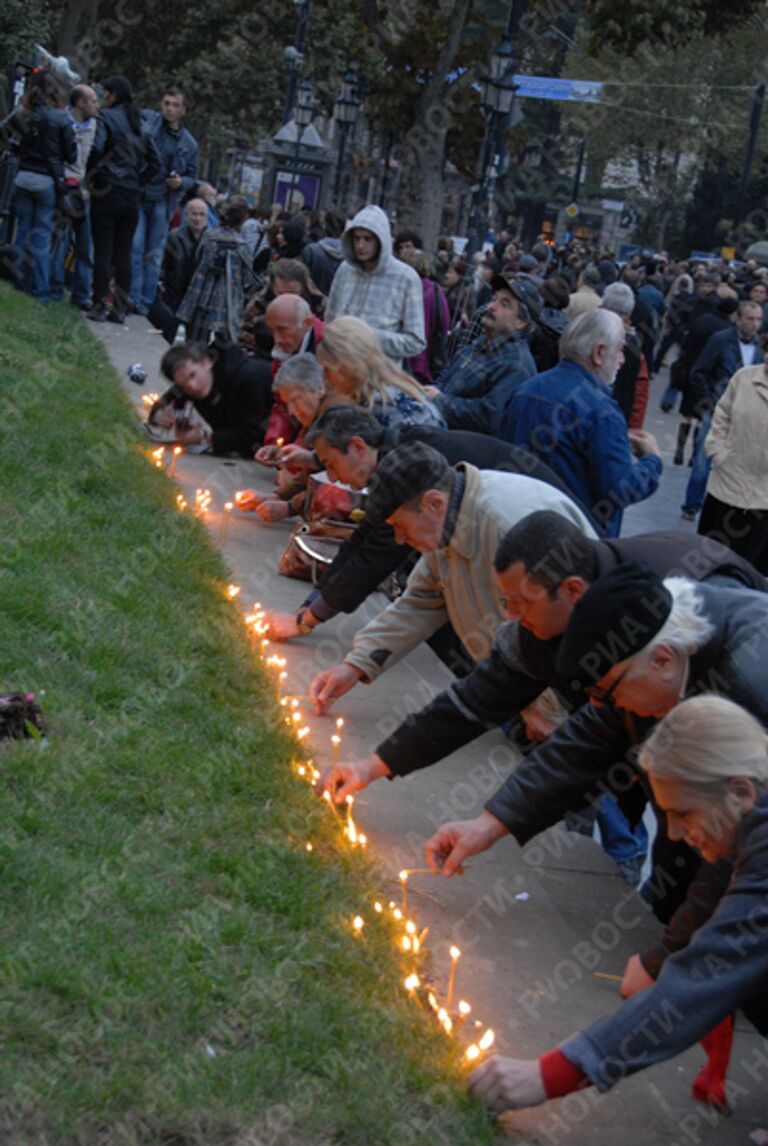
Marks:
<point>707,761</point>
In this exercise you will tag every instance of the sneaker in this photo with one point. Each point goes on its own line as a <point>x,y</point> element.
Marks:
<point>678,458</point>
<point>114,316</point>
<point>688,515</point>
<point>98,314</point>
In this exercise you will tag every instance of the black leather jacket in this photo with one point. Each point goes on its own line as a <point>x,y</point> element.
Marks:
<point>119,157</point>
<point>46,140</point>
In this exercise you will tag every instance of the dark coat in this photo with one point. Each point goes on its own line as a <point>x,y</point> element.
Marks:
<point>119,157</point>
<point>715,366</point>
<point>46,141</point>
<point>238,405</point>
<point>724,967</point>
<point>179,262</point>
<point>183,160</point>
<point>372,554</point>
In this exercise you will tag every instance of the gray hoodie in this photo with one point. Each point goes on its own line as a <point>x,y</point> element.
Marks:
<point>389,298</point>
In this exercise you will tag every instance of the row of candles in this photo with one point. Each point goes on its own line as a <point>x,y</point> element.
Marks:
<point>410,941</point>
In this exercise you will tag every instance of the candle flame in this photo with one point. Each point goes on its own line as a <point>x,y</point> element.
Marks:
<point>432,1000</point>
<point>397,913</point>
<point>406,943</point>
<point>412,982</point>
<point>335,740</point>
<point>410,927</point>
<point>455,953</point>
<point>464,1008</point>
<point>362,840</point>
<point>232,591</point>
<point>403,876</point>
<point>487,1040</point>
<point>178,450</point>
<point>358,923</point>
<point>339,723</point>
<point>310,848</point>
<point>227,504</point>
<point>377,907</point>
<point>472,1052</point>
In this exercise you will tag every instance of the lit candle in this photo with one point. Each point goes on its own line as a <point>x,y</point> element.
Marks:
<point>280,442</point>
<point>358,923</point>
<point>310,848</point>
<point>281,678</point>
<point>158,456</point>
<point>336,742</point>
<point>472,1052</point>
<point>378,908</point>
<point>455,953</point>
<point>177,452</point>
<point>404,887</point>
<point>487,1040</point>
<point>464,1010</point>
<point>225,519</point>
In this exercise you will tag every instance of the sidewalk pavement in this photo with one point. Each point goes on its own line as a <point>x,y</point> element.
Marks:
<point>543,932</point>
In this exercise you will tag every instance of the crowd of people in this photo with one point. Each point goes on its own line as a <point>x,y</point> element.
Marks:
<point>491,412</point>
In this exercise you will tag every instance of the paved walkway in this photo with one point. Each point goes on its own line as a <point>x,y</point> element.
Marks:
<point>543,932</point>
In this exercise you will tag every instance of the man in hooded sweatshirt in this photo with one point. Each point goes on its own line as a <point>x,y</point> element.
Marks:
<point>373,285</point>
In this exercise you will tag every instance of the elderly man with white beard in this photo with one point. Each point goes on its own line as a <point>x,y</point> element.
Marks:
<point>568,417</point>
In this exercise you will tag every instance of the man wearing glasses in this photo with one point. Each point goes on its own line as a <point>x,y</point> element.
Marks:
<point>636,645</point>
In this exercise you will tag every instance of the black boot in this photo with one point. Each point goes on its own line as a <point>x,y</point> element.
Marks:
<point>683,430</point>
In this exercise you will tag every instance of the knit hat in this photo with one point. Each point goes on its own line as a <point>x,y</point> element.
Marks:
<point>403,474</point>
<point>618,616</point>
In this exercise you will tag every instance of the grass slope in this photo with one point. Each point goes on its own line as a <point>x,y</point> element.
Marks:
<point>174,966</point>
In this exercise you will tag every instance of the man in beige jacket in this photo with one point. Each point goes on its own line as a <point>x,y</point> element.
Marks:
<point>456,519</point>
<point>585,297</point>
<point>735,510</point>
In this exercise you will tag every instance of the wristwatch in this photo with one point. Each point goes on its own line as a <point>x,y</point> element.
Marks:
<point>301,625</point>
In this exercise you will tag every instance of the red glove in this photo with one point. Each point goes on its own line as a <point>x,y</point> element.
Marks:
<point>709,1084</point>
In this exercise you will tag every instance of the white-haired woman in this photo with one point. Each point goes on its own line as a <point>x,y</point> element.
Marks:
<point>707,762</point>
<point>356,366</point>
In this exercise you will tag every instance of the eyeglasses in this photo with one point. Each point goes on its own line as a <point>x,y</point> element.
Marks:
<point>599,695</point>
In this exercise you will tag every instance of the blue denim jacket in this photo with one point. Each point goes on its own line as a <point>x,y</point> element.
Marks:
<point>568,418</point>
<point>477,384</point>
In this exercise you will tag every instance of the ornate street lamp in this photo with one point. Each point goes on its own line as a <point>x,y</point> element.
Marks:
<point>497,94</point>
<point>345,114</point>
<point>302,117</point>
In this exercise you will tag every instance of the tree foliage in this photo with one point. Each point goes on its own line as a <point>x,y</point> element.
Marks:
<point>627,26</point>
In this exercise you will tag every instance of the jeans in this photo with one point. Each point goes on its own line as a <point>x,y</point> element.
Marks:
<point>75,236</point>
<point>697,482</point>
<point>671,397</point>
<point>625,845</point>
<point>113,220</point>
<point>147,253</point>
<point>35,201</point>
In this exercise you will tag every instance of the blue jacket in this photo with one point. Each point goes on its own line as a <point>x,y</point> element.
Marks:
<point>724,967</point>
<point>477,384</point>
<point>568,418</point>
<point>715,366</point>
<point>180,156</point>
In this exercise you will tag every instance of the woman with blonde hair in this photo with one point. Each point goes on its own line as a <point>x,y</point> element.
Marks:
<point>707,762</point>
<point>356,366</point>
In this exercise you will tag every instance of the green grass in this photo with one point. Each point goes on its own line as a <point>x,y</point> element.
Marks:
<point>157,898</point>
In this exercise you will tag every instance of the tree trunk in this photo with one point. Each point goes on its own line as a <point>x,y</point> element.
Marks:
<point>75,33</point>
<point>422,156</point>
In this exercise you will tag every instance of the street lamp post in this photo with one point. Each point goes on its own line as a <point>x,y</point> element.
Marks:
<point>345,114</point>
<point>305,109</point>
<point>497,94</point>
<point>295,57</point>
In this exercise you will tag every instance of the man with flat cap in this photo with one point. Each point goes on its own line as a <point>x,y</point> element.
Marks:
<point>636,645</point>
<point>455,517</point>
